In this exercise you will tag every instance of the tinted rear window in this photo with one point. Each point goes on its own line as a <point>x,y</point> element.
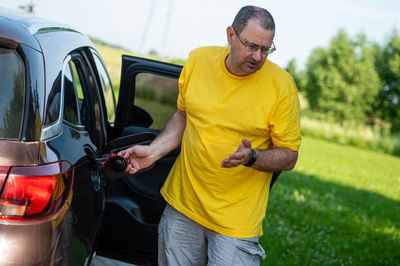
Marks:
<point>12,91</point>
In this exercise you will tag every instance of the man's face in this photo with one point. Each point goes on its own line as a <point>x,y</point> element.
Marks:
<point>240,61</point>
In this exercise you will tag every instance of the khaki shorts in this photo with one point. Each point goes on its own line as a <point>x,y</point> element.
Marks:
<point>182,241</point>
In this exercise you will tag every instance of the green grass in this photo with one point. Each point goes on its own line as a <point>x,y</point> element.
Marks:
<point>340,206</point>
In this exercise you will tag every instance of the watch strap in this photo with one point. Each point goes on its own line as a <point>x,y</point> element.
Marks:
<point>252,159</point>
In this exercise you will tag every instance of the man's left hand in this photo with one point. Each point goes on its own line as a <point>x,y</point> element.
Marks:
<point>241,156</point>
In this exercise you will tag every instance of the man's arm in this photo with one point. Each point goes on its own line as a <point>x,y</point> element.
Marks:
<point>273,160</point>
<point>171,136</point>
<point>142,156</point>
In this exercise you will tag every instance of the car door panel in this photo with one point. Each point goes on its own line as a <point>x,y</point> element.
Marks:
<point>133,208</point>
<point>128,114</point>
<point>134,205</point>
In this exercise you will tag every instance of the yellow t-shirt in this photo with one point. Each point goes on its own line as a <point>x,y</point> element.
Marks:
<point>222,109</point>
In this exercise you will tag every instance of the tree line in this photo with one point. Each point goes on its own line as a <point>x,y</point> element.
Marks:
<point>353,80</point>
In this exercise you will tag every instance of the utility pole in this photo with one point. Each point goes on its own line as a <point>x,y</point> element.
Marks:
<point>147,25</point>
<point>166,30</point>
<point>28,8</point>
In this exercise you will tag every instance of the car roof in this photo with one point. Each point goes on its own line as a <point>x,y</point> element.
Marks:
<point>18,27</point>
<point>53,43</point>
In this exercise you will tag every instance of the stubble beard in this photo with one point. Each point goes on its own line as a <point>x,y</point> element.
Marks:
<point>250,67</point>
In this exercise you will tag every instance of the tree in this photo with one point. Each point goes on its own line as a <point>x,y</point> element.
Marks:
<point>297,75</point>
<point>387,64</point>
<point>340,81</point>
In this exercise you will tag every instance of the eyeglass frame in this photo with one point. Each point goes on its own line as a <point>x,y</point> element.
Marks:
<point>271,49</point>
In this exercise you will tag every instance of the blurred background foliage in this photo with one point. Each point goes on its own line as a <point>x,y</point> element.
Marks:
<point>352,86</point>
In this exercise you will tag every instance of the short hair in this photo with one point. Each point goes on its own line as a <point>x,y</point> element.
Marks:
<point>246,13</point>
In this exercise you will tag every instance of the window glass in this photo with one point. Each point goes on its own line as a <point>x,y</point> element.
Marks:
<point>78,83</point>
<point>70,99</point>
<point>53,101</point>
<point>82,103</point>
<point>107,88</point>
<point>12,87</point>
<point>157,95</point>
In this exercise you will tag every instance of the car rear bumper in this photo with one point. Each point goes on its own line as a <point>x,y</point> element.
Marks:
<point>36,242</point>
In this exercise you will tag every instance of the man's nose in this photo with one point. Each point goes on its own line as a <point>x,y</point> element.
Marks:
<point>257,55</point>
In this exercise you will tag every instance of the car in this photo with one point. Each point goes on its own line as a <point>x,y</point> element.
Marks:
<point>64,196</point>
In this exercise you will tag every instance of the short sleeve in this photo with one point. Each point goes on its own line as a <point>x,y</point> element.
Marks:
<point>285,121</point>
<point>183,82</point>
<point>182,89</point>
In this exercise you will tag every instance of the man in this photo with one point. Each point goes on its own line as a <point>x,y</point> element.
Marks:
<point>237,122</point>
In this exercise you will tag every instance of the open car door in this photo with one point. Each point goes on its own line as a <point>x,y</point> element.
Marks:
<point>133,204</point>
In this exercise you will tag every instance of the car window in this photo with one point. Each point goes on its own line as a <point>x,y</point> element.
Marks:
<point>53,102</point>
<point>12,87</point>
<point>157,95</point>
<point>78,78</point>
<point>106,87</point>
<point>70,97</point>
<point>89,109</point>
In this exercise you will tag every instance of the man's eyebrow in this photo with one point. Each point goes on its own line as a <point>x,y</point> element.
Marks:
<point>254,44</point>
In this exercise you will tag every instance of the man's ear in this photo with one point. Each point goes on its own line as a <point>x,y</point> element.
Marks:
<point>229,34</point>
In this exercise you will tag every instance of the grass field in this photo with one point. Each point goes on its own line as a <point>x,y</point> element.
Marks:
<point>340,206</point>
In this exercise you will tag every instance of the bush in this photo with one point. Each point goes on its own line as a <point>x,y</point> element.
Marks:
<point>360,136</point>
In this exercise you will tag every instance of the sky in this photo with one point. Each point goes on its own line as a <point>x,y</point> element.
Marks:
<point>173,28</point>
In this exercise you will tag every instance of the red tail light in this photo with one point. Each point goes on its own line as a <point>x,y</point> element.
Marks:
<point>32,193</point>
<point>3,175</point>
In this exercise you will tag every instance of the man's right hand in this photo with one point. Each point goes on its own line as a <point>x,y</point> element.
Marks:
<point>137,157</point>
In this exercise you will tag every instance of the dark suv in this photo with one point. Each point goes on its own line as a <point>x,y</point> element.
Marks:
<point>61,201</point>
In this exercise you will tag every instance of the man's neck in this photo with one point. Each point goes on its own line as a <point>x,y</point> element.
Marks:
<point>229,64</point>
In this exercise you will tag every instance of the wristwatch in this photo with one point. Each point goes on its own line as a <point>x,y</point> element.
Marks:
<point>252,159</point>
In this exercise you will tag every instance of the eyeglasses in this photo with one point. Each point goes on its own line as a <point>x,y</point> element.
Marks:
<point>265,50</point>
